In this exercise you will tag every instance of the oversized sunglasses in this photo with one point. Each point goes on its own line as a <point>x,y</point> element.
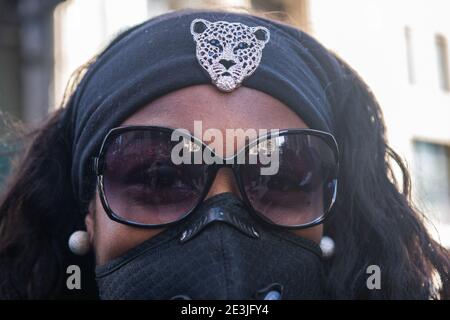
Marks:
<point>140,184</point>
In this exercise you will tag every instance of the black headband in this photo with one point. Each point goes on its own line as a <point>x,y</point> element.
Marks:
<point>159,56</point>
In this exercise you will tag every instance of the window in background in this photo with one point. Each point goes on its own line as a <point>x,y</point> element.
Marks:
<point>409,56</point>
<point>432,164</point>
<point>442,59</point>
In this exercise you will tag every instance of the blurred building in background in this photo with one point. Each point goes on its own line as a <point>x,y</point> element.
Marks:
<point>399,47</point>
<point>26,57</point>
<point>26,63</point>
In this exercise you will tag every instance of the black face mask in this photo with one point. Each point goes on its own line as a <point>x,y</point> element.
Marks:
<point>219,252</point>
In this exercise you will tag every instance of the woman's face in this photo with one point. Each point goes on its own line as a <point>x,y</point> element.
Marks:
<point>243,108</point>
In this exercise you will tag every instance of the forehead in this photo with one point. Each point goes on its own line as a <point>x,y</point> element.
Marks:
<point>243,108</point>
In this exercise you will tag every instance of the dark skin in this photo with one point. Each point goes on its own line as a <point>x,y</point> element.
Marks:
<point>243,108</point>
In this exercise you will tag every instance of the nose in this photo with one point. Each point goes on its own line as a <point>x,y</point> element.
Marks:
<point>227,63</point>
<point>224,182</point>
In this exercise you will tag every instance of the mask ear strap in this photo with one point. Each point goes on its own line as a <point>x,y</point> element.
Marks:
<point>216,214</point>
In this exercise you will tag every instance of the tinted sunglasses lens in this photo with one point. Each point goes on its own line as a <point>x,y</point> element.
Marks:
<point>143,185</point>
<point>302,189</point>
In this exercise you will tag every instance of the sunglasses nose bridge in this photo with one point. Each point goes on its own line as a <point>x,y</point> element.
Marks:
<point>223,180</point>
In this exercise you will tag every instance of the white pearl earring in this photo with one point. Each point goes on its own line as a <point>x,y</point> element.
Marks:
<point>79,243</point>
<point>327,246</point>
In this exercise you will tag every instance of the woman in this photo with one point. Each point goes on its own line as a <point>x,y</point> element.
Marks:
<point>159,226</point>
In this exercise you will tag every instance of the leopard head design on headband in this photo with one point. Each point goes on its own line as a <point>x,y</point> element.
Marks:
<point>229,52</point>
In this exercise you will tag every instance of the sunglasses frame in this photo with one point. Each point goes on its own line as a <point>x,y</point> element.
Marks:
<point>212,169</point>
